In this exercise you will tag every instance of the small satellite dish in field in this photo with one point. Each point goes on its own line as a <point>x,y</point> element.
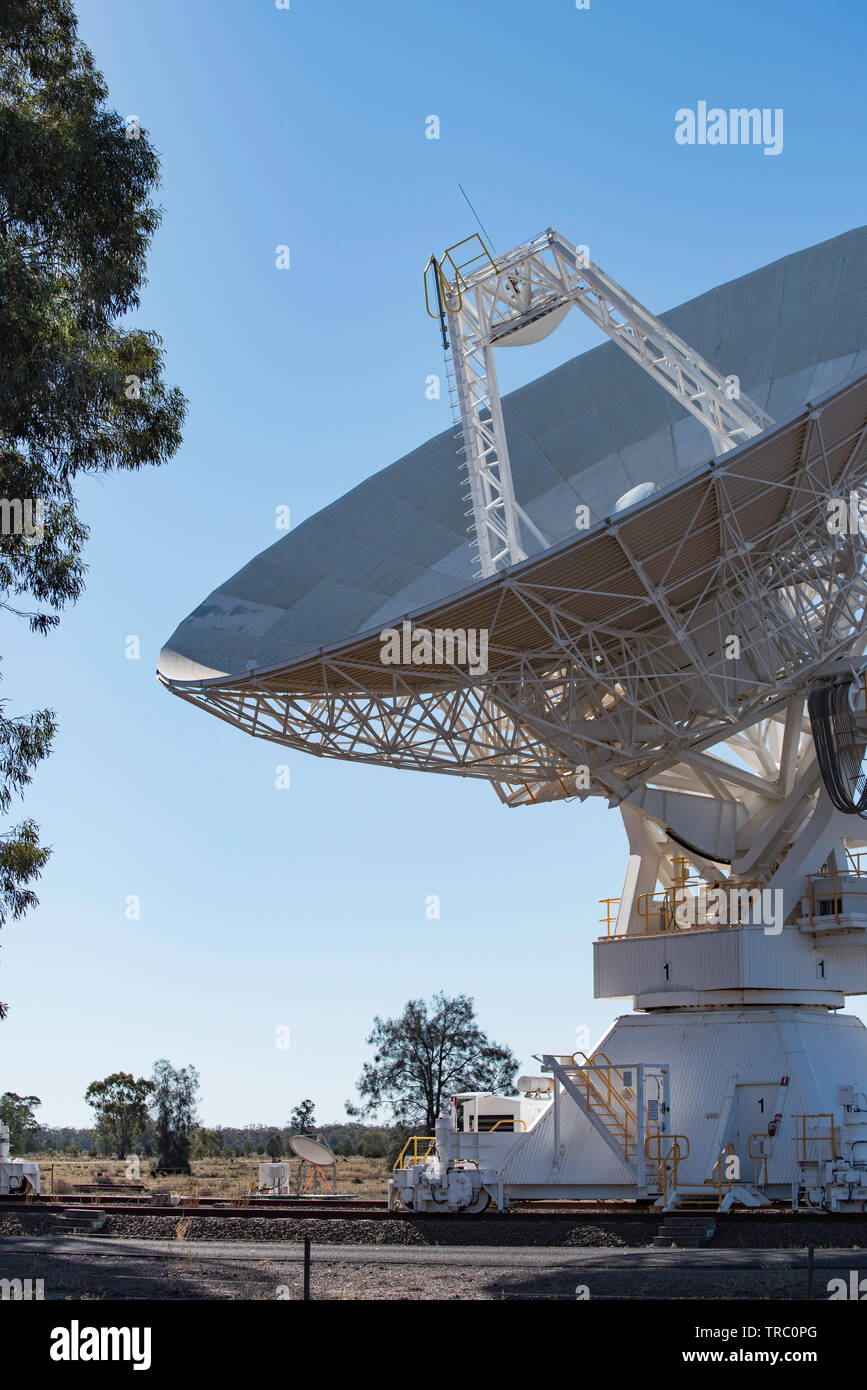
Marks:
<point>311,1150</point>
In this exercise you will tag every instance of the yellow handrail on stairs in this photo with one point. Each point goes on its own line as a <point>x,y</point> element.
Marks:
<point>405,1160</point>
<point>718,1178</point>
<point>668,1162</point>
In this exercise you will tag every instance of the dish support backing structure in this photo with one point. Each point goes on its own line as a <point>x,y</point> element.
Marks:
<point>743,917</point>
<point>663,662</point>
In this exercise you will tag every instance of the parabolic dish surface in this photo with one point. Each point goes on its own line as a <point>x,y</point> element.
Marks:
<point>584,433</point>
<point>311,1150</point>
<point>607,650</point>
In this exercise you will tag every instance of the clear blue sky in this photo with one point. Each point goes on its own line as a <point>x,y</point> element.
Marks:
<point>304,908</point>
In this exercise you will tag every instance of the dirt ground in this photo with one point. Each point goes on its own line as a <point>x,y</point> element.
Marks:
<point>212,1177</point>
<point>188,1256</point>
<point>754,1231</point>
<point>112,1269</point>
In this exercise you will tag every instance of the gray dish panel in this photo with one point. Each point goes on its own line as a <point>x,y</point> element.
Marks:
<point>583,433</point>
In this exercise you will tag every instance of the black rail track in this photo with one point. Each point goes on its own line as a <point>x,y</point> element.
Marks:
<point>360,1210</point>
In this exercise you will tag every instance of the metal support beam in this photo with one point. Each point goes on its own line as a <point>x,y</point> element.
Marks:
<point>519,298</point>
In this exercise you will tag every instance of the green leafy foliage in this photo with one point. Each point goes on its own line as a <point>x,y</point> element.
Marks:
<point>302,1120</point>
<point>208,1143</point>
<point>426,1055</point>
<point>120,1103</point>
<point>19,1113</point>
<point>173,1102</point>
<point>80,391</point>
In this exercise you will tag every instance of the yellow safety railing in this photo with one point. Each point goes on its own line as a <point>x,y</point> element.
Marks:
<point>511,1121</point>
<point>452,289</point>
<point>406,1160</point>
<point>597,1078</point>
<point>760,1160</point>
<point>606,1066</point>
<point>817,883</point>
<point>434,314</point>
<point>672,897</point>
<point>802,1138</point>
<point>610,917</point>
<point>667,1162</point>
<point>719,1178</point>
<point>658,910</point>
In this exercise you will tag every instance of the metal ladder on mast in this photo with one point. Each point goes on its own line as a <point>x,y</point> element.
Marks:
<point>481,301</point>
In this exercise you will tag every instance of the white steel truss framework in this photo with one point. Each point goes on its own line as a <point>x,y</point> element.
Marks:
<point>611,669</point>
<point>505,301</point>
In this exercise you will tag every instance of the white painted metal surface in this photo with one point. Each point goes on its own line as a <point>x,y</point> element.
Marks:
<point>311,1150</point>
<point>17,1175</point>
<point>519,298</point>
<point>733,1074</point>
<point>609,673</point>
<point>581,435</point>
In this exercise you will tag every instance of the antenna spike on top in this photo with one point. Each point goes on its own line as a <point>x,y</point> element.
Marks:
<point>478,219</point>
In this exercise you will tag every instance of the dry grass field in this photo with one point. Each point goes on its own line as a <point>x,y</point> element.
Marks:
<point>211,1177</point>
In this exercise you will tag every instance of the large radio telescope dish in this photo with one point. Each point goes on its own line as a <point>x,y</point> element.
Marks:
<point>697,656</point>
<point>607,649</point>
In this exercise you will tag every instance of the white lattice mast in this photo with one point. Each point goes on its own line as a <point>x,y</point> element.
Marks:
<point>520,298</point>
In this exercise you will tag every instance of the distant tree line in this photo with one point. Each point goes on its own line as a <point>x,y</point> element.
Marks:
<point>156,1117</point>
<point>225,1141</point>
<point>125,1124</point>
<point>430,1052</point>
